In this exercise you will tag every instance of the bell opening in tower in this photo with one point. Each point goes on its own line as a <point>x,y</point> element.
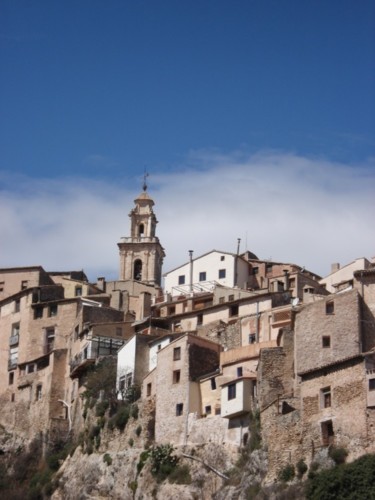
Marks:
<point>138,270</point>
<point>141,230</point>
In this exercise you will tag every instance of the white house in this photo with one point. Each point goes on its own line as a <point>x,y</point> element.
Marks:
<point>204,272</point>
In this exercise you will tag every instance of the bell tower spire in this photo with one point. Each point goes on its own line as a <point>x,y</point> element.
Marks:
<point>141,254</point>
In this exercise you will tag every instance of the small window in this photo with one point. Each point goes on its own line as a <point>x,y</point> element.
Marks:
<point>179,409</point>
<point>221,300</point>
<point>38,393</point>
<point>78,291</point>
<point>330,307</point>
<point>122,383</point>
<point>200,319</point>
<point>207,410</point>
<point>231,391</point>
<point>30,368</point>
<point>222,273</point>
<point>327,432</point>
<point>11,378</point>
<point>213,384</point>
<point>159,347</point>
<point>217,410</point>
<point>38,312</point>
<point>50,339</point>
<point>255,270</point>
<point>292,282</point>
<point>15,329</point>
<point>371,384</point>
<point>24,284</point>
<point>2,283</point>
<point>230,298</point>
<point>176,376</point>
<point>52,311</point>
<point>176,353</point>
<point>233,311</point>
<point>76,332</point>
<point>13,397</point>
<point>17,305</point>
<point>202,276</point>
<point>172,310</point>
<point>148,389</point>
<point>181,279</point>
<point>325,397</point>
<point>269,268</point>
<point>251,338</point>
<point>239,371</point>
<point>326,341</point>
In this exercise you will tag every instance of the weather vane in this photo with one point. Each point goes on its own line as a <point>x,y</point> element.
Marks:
<point>145,175</point>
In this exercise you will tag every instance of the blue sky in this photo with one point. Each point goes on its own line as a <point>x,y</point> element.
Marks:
<point>243,107</point>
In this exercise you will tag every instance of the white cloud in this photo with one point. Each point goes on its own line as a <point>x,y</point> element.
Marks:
<point>308,211</point>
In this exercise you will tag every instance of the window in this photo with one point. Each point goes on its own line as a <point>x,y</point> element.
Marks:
<point>326,341</point>
<point>222,257</point>
<point>269,268</point>
<point>15,329</point>
<point>292,282</point>
<point>50,339</point>
<point>221,274</point>
<point>24,284</point>
<point>213,384</point>
<point>231,391</point>
<point>233,311</point>
<point>251,338</point>
<point>176,353</point>
<point>325,397</point>
<point>121,383</point>
<point>159,347</point>
<point>30,368</point>
<point>181,279</point>
<point>172,310</point>
<point>52,310</point>
<point>38,312</point>
<point>141,230</point>
<point>330,307</point>
<point>255,270</point>
<point>38,393</point>
<point>118,331</point>
<point>76,332</point>
<point>179,409</point>
<point>200,319</point>
<point>11,378</point>
<point>176,376</point>
<point>207,410</point>
<point>129,379</point>
<point>148,389</point>
<point>221,300</point>
<point>371,384</point>
<point>78,291</point>
<point>230,298</point>
<point>2,283</point>
<point>17,305</point>
<point>137,270</point>
<point>202,276</point>
<point>239,371</point>
<point>217,410</point>
<point>13,397</point>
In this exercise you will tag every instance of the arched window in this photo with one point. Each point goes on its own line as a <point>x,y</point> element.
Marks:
<point>138,270</point>
<point>141,230</point>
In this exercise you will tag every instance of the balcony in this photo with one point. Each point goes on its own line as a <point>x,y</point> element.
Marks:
<point>79,364</point>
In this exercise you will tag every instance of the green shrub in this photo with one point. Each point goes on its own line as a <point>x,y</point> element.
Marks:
<point>122,417</point>
<point>338,455</point>
<point>346,481</point>
<point>131,441</point>
<point>101,408</point>
<point>134,411</point>
<point>142,460</point>
<point>287,473</point>
<point>180,475</point>
<point>301,468</point>
<point>107,459</point>
<point>163,462</point>
<point>255,440</point>
<point>138,430</point>
<point>133,485</point>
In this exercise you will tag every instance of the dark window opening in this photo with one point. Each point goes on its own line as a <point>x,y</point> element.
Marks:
<point>251,338</point>
<point>176,376</point>
<point>326,341</point>
<point>208,410</point>
<point>231,391</point>
<point>52,311</point>
<point>11,378</point>
<point>222,273</point>
<point>38,393</point>
<point>78,291</point>
<point>326,397</point>
<point>239,371</point>
<point>202,276</point>
<point>141,230</point>
<point>213,384</point>
<point>330,307</point>
<point>17,305</point>
<point>200,319</point>
<point>371,384</point>
<point>149,389</point>
<point>176,353</point>
<point>179,409</point>
<point>233,311</point>
<point>181,279</point>
<point>38,312</point>
<point>138,270</point>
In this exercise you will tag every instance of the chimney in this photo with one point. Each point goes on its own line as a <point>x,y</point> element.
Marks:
<point>100,283</point>
<point>286,279</point>
<point>191,270</point>
<point>335,267</point>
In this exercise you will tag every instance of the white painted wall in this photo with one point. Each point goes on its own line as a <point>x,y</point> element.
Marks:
<point>242,401</point>
<point>345,273</point>
<point>154,349</point>
<point>210,263</point>
<point>126,359</point>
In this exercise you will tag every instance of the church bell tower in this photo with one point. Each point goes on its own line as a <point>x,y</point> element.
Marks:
<point>141,254</point>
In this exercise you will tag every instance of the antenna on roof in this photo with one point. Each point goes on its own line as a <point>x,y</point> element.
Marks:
<point>145,175</point>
